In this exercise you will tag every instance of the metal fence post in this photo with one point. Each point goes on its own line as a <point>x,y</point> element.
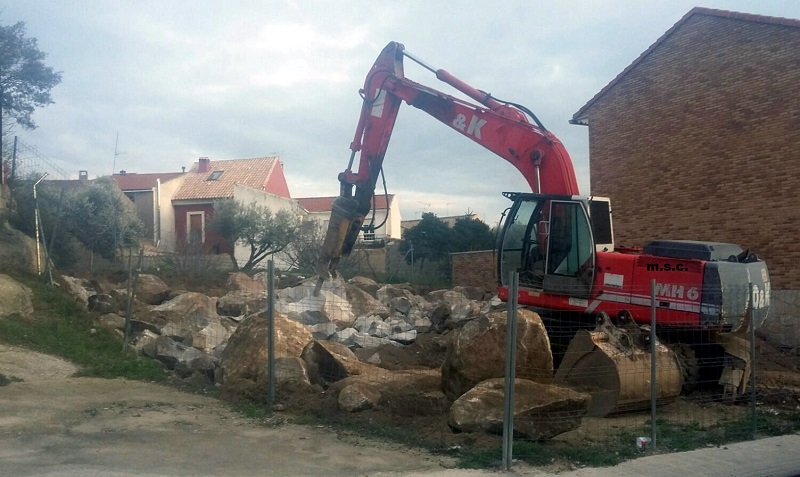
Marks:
<point>753,415</point>
<point>510,374</point>
<point>270,333</point>
<point>653,384</point>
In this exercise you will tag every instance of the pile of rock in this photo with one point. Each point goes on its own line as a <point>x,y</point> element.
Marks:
<point>224,340</point>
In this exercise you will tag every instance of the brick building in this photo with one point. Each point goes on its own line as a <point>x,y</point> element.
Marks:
<point>699,138</point>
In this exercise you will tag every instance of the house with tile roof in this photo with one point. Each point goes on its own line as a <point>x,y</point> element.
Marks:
<point>697,138</point>
<point>385,216</point>
<point>257,180</point>
<point>144,190</point>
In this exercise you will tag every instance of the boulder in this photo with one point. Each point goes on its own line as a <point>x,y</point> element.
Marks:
<point>405,337</point>
<point>366,284</point>
<point>345,336</point>
<point>322,331</point>
<point>475,293</point>
<point>184,360</point>
<point>241,303</point>
<point>245,355</point>
<point>291,369</point>
<point>477,352</point>
<point>17,250</point>
<point>79,288</point>
<point>386,293</point>
<point>331,301</point>
<point>405,393</point>
<point>151,290</point>
<point>102,303</point>
<point>438,316</point>
<point>192,319</point>
<point>358,397</point>
<point>449,297</point>
<point>541,411</point>
<point>462,313</point>
<point>328,362</point>
<point>15,298</point>
<point>366,323</point>
<point>238,281</point>
<point>111,321</point>
<point>362,303</point>
<point>363,340</point>
<point>311,318</point>
<point>145,343</point>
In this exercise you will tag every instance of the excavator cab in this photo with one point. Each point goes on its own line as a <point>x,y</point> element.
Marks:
<point>552,240</point>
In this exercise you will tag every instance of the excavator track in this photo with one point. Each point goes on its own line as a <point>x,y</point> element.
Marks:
<point>689,364</point>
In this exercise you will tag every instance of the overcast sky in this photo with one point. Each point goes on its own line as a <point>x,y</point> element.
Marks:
<point>177,80</point>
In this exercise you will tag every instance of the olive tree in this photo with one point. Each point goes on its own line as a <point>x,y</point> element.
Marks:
<point>256,227</point>
<point>96,215</point>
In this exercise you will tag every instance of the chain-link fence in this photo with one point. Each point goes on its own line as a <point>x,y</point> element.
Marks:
<point>24,162</point>
<point>431,366</point>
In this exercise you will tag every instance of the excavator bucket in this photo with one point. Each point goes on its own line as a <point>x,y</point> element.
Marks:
<point>738,362</point>
<point>613,365</point>
<point>339,238</point>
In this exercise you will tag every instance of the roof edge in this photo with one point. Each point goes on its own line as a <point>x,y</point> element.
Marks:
<point>580,118</point>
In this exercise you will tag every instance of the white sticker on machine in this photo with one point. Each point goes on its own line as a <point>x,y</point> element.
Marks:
<point>613,280</point>
<point>579,302</point>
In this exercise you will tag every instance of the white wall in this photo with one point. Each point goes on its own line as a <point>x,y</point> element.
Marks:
<point>389,230</point>
<point>165,214</point>
<point>248,195</point>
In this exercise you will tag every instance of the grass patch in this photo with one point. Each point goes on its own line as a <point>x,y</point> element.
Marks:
<point>670,437</point>
<point>251,410</point>
<point>63,328</point>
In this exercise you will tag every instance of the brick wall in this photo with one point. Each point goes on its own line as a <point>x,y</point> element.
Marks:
<point>474,269</point>
<point>701,141</point>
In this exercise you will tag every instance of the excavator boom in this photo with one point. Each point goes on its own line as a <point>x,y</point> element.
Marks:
<point>500,127</point>
<point>562,245</point>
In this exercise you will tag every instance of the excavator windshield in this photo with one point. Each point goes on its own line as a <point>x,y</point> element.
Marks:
<point>548,240</point>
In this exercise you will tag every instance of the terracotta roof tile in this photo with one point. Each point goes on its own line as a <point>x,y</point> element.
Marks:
<point>580,116</point>
<point>254,173</point>
<point>323,204</point>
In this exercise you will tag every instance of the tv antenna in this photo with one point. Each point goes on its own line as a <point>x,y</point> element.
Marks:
<point>116,153</point>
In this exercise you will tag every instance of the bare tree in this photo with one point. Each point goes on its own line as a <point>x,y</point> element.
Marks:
<point>303,252</point>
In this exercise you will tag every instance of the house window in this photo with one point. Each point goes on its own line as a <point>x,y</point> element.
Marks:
<point>215,175</point>
<point>369,236</point>
<point>196,227</point>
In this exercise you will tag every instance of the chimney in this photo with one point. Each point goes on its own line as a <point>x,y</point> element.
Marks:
<point>203,164</point>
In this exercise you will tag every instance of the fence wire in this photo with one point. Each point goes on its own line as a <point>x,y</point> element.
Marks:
<point>26,162</point>
<point>426,365</point>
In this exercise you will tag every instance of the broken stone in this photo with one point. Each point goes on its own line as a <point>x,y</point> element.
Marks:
<point>541,411</point>
<point>477,352</point>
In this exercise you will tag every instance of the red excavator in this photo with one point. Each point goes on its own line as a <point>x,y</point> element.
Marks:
<point>593,296</point>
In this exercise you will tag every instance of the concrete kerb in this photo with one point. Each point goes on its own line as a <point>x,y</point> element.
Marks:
<point>773,457</point>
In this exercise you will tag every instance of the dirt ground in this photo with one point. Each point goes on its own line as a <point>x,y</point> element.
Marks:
<point>52,424</point>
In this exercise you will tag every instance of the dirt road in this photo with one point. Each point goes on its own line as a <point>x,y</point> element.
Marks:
<point>52,425</point>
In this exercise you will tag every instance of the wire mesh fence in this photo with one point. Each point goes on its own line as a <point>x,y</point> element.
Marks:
<point>430,366</point>
<point>26,162</point>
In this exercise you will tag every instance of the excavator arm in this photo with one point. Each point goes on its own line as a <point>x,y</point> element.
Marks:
<point>500,127</point>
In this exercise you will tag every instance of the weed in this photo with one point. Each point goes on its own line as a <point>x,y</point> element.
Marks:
<point>63,328</point>
<point>6,380</point>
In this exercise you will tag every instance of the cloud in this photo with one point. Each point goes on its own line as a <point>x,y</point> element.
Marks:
<point>182,79</point>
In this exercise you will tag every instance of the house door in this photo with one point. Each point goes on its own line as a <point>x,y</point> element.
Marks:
<point>196,228</point>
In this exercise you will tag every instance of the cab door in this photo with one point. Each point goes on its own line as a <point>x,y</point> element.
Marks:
<point>570,252</point>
